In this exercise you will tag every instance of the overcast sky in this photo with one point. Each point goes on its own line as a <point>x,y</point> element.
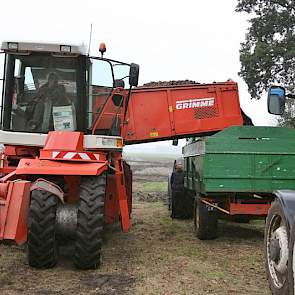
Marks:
<point>171,40</point>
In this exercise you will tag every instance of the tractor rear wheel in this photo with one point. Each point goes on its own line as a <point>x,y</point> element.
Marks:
<point>291,259</point>
<point>276,250</point>
<point>205,221</point>
<point>42,242</point>
<point>90,220</point>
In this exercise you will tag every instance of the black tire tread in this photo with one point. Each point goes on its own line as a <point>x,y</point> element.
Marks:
<point>42,245</point>
<point>275,209</point>
<point>208,221</point>
<point>90,222</point>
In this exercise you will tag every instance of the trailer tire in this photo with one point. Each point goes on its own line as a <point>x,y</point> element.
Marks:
<point>276,250</point>
<point>205,222</point>
<point>42,242</point>
<point>90,220</point>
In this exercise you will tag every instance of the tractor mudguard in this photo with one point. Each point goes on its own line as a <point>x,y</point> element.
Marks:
<point>287,200</point>
<point>52,188</point>
<point>42,167</point>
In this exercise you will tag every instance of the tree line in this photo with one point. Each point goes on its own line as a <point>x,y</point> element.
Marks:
<point>268,53</point>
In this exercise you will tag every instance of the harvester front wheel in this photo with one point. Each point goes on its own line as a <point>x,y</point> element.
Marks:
<point>90,220</point>
<point>42,242</point>
<point>205,221</point>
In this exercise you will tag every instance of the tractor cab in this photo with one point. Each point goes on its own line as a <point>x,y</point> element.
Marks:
<point>56,87</point>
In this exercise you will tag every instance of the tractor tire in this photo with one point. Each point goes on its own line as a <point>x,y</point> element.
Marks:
<point>291,259</point>
<point>42,241</point>
<point>276,250</point>
<point>90,220</point>
<point>205,221</point>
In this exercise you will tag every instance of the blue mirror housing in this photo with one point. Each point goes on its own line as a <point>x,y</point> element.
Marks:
<point>276,100</point>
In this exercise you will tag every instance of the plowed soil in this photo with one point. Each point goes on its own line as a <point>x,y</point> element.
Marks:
<point>157,256</point>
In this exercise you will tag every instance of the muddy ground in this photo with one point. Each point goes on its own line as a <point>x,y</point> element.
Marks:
<point>158,255</point>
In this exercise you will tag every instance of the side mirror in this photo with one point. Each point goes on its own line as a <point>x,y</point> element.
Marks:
<point>133,74</point>
<point>276,99</point>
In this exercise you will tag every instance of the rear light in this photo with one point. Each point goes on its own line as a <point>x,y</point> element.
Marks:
<point>112,142</point>
<point>120,142</point>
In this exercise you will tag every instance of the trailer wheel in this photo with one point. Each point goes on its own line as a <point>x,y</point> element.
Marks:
<point>90,220</point>
<point>205,221</point>
<point>42,242</point>
<point>276,250</point>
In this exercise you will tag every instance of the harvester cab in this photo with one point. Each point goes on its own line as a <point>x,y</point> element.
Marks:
<point>50,87</point>
<point>62,122</point>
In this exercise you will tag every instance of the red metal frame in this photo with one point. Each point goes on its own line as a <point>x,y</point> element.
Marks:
<point>14,211</point>
<point>15,194</point>
<point>181,111</point>
<point>252,207</point>
<point>249,209</point>
<point>119,184</point>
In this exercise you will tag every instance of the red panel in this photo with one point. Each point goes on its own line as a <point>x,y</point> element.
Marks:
<point>128,184</point>
<point>118,198</point>
<point>64,140</point>
<point>249,209</point>
<point>148,115</point>
<point>36,166</point>
<point>14,212</point>
<point>177,111</point>
<point>111,207</point>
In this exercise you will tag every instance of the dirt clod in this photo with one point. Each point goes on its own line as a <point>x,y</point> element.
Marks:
<point>168,83</point>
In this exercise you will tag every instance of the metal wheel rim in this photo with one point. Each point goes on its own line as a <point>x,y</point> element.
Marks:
<point>293,265</point>
<point>277,226</point>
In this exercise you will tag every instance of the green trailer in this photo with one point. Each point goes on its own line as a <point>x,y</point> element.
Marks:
<point>235,172</point>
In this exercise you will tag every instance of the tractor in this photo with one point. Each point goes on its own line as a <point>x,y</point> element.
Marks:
<point>62,173</point>
<point>279,238</point>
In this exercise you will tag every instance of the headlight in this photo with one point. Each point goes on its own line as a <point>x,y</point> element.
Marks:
<point>112,142</point>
